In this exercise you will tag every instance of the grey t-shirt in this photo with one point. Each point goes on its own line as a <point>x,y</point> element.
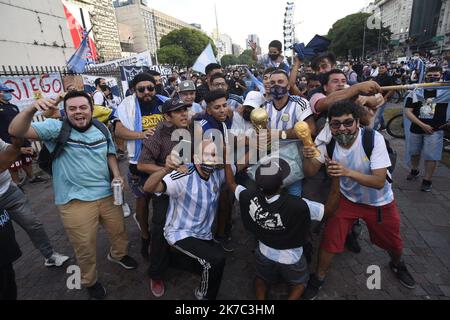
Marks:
<point>5,177</point>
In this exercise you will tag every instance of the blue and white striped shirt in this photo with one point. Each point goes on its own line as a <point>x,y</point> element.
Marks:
<point>296,109</point>
<point>193,204</point>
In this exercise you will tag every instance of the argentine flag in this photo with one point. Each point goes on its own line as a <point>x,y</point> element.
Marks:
<point>77,63</point>
<point>205,58</point>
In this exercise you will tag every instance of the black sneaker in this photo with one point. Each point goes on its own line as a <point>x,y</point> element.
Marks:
<point>126,262</point>
<point>352,243</point>
<point>412,175</point>
<point>97,291</point>
<point>426,186</point>
<point>312,288</point>
<point>403,275</point>
<point>145,244</point>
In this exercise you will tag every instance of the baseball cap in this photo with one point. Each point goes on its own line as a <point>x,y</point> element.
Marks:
<point>186,85</point>
<point>270,174</point>
<point>5,88</point>
<point>254,99</point>
<point>173,104</point>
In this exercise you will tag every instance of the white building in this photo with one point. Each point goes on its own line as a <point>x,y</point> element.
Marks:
<point>396,14</point>
<point>253,38</point>
<point>34,33</point>
<point>444,24</point>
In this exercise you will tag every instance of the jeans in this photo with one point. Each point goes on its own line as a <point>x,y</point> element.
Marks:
<point>379,118</point>
<point>16,203</point>
<point>8,288</point>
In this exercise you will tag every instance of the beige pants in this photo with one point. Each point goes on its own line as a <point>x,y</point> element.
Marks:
<point>81,219</point>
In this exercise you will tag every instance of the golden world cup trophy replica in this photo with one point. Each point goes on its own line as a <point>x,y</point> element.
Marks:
<point>260,120</point>
<point>303,132</point>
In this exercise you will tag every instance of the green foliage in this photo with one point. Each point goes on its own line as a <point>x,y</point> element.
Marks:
<point>190,41</point>
<point>347,35</point>
<point>246,58</point>
<point>229,60</point>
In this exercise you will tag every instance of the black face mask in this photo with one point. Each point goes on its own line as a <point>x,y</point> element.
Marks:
<point>273,56</point>
<point>432,79</point>
<point>103,87</point>
<point>246,113</point>
<point>158,88</point>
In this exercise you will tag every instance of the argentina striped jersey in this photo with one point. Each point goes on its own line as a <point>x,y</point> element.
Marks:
<point>296,109</point>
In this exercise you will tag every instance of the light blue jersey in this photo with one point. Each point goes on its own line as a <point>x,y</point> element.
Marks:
<point>81,171</point>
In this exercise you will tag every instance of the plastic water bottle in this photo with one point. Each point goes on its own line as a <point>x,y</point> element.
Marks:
<point>117,192</point>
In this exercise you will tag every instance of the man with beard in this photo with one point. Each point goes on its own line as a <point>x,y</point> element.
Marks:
<point>365,193</point>
<point>192,208</point>
<point>81,182</point>
<point>284,112</point>
<point>138,115</point>
<point>155,150</point>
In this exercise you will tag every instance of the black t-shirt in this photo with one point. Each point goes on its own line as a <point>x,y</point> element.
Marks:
<point>9,249</point>
<point>384,80</point>
<point>234,88</point>
<point>433,114</point>
<point>283,224</point>
<point>7,113</point>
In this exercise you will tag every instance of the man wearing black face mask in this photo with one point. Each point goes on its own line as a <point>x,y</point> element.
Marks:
<point>99,96</point>
<point>159,85</point>
<point>82,182</point>
<point>274,58</point>
<point>365,191</point>
<point>428,118</point>
<point>236,85</point>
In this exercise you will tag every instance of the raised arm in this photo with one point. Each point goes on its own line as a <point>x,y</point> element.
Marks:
<point>294,90</point>
<point>21,124</point>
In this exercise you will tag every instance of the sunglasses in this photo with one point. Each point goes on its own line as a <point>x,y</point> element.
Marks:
<point>337,124</point>
<point>142,89</point>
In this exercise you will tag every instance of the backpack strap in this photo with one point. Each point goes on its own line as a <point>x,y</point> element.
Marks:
<point>100,126</point>
<point>330,148</point>
<point>368,141</point>
<point>61,141</point>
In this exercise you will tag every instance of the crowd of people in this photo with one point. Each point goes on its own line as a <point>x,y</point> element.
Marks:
<point>346,177</point>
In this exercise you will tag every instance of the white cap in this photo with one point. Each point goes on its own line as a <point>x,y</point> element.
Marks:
<point>254,99</point>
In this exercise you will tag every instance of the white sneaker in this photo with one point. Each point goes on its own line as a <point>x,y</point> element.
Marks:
<point>56,260</point>
<point>126,210</point>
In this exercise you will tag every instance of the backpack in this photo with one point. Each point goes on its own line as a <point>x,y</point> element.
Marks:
<point>368,138</point>
<point>46,157</point>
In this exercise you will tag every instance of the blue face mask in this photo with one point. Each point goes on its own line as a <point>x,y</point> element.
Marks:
<point>278,92</point>
<point>7,96</point>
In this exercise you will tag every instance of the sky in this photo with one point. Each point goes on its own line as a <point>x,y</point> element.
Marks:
<point>239,18</point>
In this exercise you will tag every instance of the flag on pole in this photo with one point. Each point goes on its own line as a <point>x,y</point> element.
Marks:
<point>205,58</point>
<point>77,63</point>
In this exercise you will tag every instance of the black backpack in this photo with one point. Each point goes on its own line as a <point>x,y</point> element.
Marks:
<point>46,157</point>
<point>368,138</point>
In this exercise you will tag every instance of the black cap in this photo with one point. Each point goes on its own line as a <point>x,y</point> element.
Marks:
<point>173,104</point>
<point>271,179</point>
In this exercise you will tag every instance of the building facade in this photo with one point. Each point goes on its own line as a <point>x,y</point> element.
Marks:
<point>396,15</point>
<point>444,25</point>
<point>253,38</point>
<point>145,26</point>
<point>237,49</point>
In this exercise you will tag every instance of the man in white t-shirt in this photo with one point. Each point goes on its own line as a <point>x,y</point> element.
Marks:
<point>366,193</point>
<point>99,95</point>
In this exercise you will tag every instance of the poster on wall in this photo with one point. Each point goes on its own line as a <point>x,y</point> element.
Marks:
<point>127,75</point>
<point>27,89</point>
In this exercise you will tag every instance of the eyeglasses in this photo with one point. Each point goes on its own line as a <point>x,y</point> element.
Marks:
<point>142,89</point>
<point>337,124</point>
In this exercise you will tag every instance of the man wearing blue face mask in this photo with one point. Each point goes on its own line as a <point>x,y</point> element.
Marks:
<point>285,111</point>
<point>7,112</point>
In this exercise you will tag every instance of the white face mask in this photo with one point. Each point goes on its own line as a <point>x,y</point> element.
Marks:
<point>345,69</point>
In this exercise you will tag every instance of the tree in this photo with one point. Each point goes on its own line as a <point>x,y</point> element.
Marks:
<point>173,54</point>
<point>246,57</point>
<point>347,36</point>
<point>229,60</point>
<point>190,41</point>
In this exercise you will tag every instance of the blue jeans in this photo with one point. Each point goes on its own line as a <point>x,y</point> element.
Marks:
<point>379,117</point>
<point>15,202</point>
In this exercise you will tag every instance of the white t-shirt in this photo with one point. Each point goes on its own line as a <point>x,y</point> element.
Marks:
<point>5,176</point>
<point>296,109</point>
<point>355,158</point>
<point>241,127</point>
<point>99,98</point>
